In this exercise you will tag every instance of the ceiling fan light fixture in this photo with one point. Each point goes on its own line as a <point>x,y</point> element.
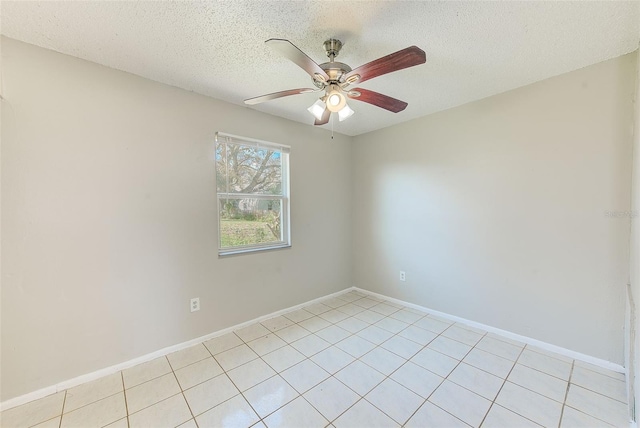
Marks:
<point>335,100</point>
<point>345,113</point>
<point>317,109</point>
<point>334,77</point>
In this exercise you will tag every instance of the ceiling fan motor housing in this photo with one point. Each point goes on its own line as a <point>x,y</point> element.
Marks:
<point>335,70</point>
<point>332,46</point>
<point>335,77</point>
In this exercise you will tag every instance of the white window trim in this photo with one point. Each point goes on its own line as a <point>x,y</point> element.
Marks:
<point>286,220</point>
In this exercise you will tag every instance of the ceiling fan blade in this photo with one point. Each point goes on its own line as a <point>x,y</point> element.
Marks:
<point>404,58</point>
<point>291,52</point>
<point>380,100</point>
<point>275,95</point>
<point>325,117</point>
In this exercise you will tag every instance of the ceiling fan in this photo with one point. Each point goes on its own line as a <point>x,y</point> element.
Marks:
<point>334,78</point>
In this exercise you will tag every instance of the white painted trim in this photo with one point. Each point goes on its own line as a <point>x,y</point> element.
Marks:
<point>13,402</point>
<point>247,141</point>
<point>70,383</point>
<point>540,344</point>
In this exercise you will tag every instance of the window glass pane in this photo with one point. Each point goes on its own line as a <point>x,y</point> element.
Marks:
<point>250,222</point>
<point>243,169</point>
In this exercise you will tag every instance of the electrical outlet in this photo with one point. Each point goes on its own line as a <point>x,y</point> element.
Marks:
<point>195,304</point>
<point>403,276</point>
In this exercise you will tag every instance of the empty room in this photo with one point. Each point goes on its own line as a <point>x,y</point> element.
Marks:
<point>319,214</point>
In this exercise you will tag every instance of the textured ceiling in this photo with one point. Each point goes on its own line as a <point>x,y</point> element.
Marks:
<point>474,49</point>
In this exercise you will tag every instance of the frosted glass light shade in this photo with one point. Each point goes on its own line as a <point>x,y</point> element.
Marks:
<point>335,100</point>
<point>345,113</point>
<point>317,109</point>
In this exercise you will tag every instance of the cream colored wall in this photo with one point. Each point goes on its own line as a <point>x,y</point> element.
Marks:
<point>496,209</point>
<point>109,218</point>
<point>633,369</point>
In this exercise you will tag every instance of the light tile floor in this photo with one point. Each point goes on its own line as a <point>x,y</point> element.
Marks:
<point>349,361</point>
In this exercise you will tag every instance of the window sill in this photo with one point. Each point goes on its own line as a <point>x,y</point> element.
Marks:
<point>240,251</point>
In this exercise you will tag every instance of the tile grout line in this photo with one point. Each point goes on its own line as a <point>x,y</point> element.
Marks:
<point>514,362</point>
<point>526,346</point>
<point>181,390</point>
<point>569,383</point>
<point>361,397</point>
<point>502,386</point>
<point>495,335</point>
<point>445,378</point>
<point>566,394</point>
<point>124,393</point>
<point>324,380</point>
<point>241,393</point>
<point>545,373</point>
<point>85,405</point>
<point>398,308</point>
<point>528,389</point>
<point>285,380</point>
<point>435,350</point>
<point>503,381</point>
<point>351,334</point>
<point>599,373</point>
<point>406,360</point>
<point>64,401</point>
<point>135,386</point>
<point>260,418</point>
<point>286,344</point>
<point>561,379</point>
<point>584,412</point>
<point>608,424</point>
<point>599,393</point>
<point>333,375</point>
<point>224,372</point>
<point>358,358</point>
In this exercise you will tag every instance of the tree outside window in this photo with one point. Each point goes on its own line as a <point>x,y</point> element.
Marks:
<point>252,188</point>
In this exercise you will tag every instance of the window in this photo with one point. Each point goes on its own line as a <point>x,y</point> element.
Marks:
<point>252,180</point>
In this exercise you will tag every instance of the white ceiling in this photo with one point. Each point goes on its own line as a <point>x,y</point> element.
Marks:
<point>474,49</point>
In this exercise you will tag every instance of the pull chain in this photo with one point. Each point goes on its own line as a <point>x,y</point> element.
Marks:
<point>332,120</point>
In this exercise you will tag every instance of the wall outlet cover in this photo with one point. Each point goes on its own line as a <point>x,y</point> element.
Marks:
<point>195,304</point>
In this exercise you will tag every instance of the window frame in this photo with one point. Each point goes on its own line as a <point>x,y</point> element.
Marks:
<point>284,151</point>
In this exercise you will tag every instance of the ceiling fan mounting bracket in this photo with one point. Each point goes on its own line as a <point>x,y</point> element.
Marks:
<point>332,47</point>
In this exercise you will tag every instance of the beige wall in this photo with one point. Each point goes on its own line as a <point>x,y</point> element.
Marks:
<point>496,209</point>
<point>109,218</point>
<point>634,260</point>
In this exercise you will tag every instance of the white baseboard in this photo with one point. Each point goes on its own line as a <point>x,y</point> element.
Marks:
<point>40,393</point>
<point>13,402</point>
<point>524,339</point>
